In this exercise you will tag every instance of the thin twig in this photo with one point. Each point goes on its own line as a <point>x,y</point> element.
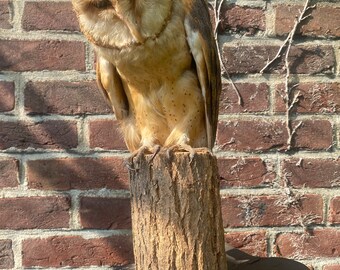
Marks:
<point>277,56</point>
<point>290,35</point>
<point>240,100</point>
<point>291,103</point>
<point>217,12</point>
<point>285,50</point>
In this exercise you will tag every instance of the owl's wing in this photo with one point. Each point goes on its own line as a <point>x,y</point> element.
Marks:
<point>204,50</point>
<point>110,82</point>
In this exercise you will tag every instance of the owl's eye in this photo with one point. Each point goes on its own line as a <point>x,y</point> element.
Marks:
<point>102,4</point>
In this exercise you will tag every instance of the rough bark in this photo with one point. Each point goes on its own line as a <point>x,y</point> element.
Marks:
<point>176,213</point>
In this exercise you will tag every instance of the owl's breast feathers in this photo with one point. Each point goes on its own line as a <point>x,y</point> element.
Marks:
<point>158,67</point>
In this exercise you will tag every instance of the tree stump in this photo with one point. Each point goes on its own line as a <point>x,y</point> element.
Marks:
<point>176,213</point>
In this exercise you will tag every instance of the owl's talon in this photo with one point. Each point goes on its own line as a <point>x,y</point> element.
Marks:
<point>137,155</point>
<point>155,151</point>
<point>182,147</point>
<point>130,166</point>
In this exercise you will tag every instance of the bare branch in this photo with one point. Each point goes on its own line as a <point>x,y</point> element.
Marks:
<point>289,39</point>
<point>217,12</point>
<point>294,101</point>
<point>277,56</point>
<point>240,100</point>
<point>285,50</point>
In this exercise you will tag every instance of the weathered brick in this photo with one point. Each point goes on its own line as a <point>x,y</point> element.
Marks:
<point>49,16</point>
<point>302,59</point>
<point>314,173</point>
<point>254,98</point>
<point>105,213</point>
<point>77,173</point>
<point>314,135</point>
<point>105,134</point>
<point>50,134</point>
<point>6,254</point>
<point>62,97</point>
<point>257,135</point>
<point>312,98</point>
<point>5,15</point>
<point>244,172</point>
<point>75,251</point>
<point>25,55</point>
<point>321,243</point>
<point>237,18</point>
<point>7,96</point>
<point>34,213</point>
<point>331,267</point>
<point>323,20</point>
<point>9,173</point>
<point>254,243</point>
<point>334,210</point>
<point>271,210</point>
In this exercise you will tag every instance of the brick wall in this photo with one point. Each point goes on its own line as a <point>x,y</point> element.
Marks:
<point>63,183</point>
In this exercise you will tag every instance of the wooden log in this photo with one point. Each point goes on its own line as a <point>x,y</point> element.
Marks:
<point>176,213</point>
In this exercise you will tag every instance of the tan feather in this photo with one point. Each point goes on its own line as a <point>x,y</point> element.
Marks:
<point>158,66</point>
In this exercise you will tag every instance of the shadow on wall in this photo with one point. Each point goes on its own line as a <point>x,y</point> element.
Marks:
<point>61,175</point>
<point>97,175</point>
<point>98,210</point>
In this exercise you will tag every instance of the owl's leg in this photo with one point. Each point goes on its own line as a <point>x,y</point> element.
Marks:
<point>182,145</point>
<point>137,155</point>
<point>149,145</point>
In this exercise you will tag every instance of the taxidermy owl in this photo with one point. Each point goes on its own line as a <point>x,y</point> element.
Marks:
<point>157,64</point>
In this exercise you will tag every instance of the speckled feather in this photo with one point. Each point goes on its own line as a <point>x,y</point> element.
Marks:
<point>157,65</point>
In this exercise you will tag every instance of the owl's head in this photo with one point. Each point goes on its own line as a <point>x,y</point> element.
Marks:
<point>101,23</point>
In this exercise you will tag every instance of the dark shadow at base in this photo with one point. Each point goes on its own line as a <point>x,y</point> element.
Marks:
<point>239,260</point>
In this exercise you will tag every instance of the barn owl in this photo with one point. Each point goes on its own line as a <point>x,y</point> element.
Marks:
<point>157,65</point>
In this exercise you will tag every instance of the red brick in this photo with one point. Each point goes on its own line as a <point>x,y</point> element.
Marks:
<point>331,267</point>
<point>239,18</point>
<point>49,16</point>
<point>271,210</point>
<point>77,173</point>
<point>313,98</point>
<point>314,135</point>
<point>254,98</point>
<point>34,213</point>
<point>105,213</point>
<point>105,134</point>
<point>5,16</point>
<point>7,97</point>
<point>6,254</point>
<point>314,173</point>
<point>56,134</point>
<point>254,243</point>
<point>9,173</point>
<point>25,55</point>
<point>324,20</point>
<point>334,210</point>
<point>75,251</point>
<point>302,59</point>
<point>257,135</point>
<point>322,243</point>
<point>62,97</point>
<point>244,172</point>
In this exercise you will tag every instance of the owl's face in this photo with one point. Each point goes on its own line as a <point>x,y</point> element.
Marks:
<point>100,22</point>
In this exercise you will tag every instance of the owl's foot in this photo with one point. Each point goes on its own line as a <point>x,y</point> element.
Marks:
<point>182,148</point>
<point>136,156</point>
